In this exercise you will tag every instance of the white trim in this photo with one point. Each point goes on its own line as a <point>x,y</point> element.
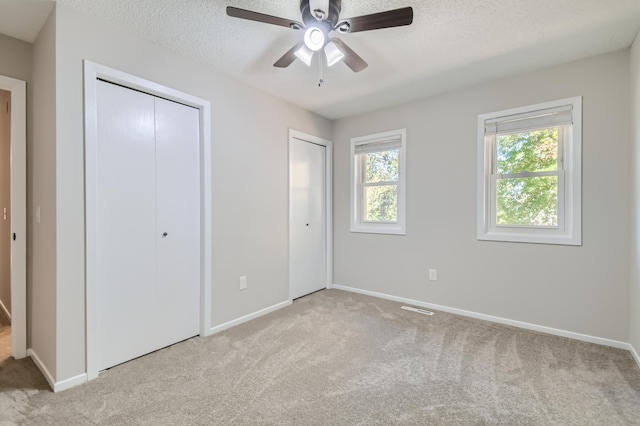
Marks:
<point>18,89</point>
<point>569,231</point>
<point>70,382</point>
<point>43,369</point>
<point>5,311</point>
<point>356,223</point>
<point>634,353</point>
<point>328,185</point>
<point>238,321</point>
<point>93,71</point>
<point>206,192</point>
<point>56,386</point>
<point>499,320</point>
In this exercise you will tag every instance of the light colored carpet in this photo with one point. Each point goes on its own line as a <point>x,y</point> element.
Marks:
<point>336,358</point>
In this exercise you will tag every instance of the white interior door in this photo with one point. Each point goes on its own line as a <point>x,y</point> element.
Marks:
<point>126,224</point>
<point>147,184</point>
<point>307,218</point>
<point>178,206</point>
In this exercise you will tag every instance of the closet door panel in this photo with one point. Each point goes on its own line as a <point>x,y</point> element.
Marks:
<point>126,224</point>
<point>178,216</point>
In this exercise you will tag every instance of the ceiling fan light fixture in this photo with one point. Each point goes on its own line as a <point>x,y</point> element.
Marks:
<point>321,18</point>
<point>333,53</point>
<point>314,38</point>
<point>304,54</point>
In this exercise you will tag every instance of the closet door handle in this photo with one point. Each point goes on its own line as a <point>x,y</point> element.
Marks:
<point>164,234</point>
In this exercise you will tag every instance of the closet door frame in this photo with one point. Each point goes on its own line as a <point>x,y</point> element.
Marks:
<point>92,73</point>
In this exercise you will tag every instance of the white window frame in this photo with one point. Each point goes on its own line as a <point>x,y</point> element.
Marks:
<point>357,200</point>
<point>569,228</point>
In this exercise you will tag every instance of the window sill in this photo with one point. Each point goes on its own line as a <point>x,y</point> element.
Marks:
<point>379,229</point>
<point>531,238</point>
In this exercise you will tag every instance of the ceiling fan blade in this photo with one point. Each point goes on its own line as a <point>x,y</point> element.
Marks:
<point>261,17</point>
<point>376,21</point>
<point>288,58</point>
<point>351,58</point>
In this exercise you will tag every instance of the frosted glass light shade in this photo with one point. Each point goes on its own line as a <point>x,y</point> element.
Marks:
<point>333,53</point>
<point>304,54</point>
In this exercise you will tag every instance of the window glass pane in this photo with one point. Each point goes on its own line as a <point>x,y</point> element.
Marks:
<point>381,203</point>
<point>534,151</point>
<point>527,201</point>
<point>381,166</point>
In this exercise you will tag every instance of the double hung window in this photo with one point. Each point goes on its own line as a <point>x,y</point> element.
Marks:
<point>529,172</point>
<point>378,180</point>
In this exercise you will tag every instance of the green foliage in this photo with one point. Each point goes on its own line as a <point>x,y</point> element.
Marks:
<point>381,201</point>
<point>527,200</point>
<point>382,166</point>
<point>535,151</point>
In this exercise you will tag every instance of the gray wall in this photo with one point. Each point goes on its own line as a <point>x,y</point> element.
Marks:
<point>634,327</point>
<point>5,200</point>
<point>41,192</point>
<point>579,289</point>
<point>249,166</point>
<point>15,58</point>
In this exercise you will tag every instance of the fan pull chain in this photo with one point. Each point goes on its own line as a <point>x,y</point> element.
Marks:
<point>320,62</point>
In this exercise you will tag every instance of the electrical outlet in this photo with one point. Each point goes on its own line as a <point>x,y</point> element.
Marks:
<point>433,275</point>
<point>243,282</point>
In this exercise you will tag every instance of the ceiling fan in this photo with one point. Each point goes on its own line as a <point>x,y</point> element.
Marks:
<point>320,18</point>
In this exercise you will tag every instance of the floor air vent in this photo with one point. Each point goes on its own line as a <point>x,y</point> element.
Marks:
<point>420,311</point>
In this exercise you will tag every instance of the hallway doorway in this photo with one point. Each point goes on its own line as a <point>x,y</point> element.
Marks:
<point>13,217</point>
<point>5,224</point>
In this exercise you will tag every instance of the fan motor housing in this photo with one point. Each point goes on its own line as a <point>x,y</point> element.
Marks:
<point>332,14</point>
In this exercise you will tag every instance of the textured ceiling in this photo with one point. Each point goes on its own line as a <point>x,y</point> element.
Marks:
<point>451,43</point>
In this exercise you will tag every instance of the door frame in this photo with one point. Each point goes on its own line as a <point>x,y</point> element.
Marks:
<point>295,135</point>
<point>18,212</point>
<point>93,72</point>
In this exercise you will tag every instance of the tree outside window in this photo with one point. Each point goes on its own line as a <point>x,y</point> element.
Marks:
<point>380,186</point>
<point>530,174</point>
<point>527,186</point>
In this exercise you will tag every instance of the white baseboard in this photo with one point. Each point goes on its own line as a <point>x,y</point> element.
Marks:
<point>70,382</point>
<point>5,310</point>
<point>229,324</point>
<point>499,320</point>
<point>634,353</point>
<point>56,386</point>
<point>43,368</point>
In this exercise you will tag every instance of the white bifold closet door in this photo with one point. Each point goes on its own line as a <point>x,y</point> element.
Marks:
<point>148,223</point>
<point>307,218</point>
